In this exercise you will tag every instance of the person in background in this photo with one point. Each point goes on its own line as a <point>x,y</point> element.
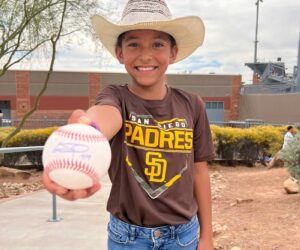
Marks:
<point>288,137</point>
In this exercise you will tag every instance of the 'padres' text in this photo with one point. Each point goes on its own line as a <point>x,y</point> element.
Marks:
<point>157,137</point>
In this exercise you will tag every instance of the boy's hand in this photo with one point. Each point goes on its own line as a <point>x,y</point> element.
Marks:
<point>68,194</point>
<point>205,245</point>
<point>78,116</point>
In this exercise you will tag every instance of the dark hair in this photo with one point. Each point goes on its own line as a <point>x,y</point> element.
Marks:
<point>289,127</point>
<point>121,37</point>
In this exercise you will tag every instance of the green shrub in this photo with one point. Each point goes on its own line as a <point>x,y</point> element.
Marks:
<point>248,144</point>
<point>231,144</point>
<point>291,157</point>
<point>4,131</point>
<point>25,138</point>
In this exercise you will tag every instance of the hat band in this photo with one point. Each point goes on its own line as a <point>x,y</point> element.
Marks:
<point>135,18</point>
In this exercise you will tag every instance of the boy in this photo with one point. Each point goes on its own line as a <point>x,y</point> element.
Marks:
<point>160,136</point>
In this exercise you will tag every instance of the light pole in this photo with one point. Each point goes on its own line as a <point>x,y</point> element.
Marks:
<point>256,41</point>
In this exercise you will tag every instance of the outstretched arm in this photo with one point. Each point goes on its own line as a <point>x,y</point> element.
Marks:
<point>109,120</point>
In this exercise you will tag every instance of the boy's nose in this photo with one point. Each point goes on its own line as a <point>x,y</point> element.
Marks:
<point>145,57</point>
<point>146,52</point>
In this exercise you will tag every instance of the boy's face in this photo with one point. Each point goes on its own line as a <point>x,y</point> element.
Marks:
<point>146,55</point>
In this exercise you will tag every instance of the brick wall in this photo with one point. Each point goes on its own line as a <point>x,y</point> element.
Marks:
<point>235,97</point>
<point>70,91</point>
<point>22,93</point>
<point>255,79</point>
<point>94,87</point>
<point>227,115</point>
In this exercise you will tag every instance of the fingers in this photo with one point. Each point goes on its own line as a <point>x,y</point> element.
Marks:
<point>94,188</point>
<point>51,186</point>
<point>73,195</point>
<point>68,194</point>
<point>79,116</point>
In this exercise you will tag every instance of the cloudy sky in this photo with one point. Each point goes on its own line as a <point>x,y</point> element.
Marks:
<point>229,41</point>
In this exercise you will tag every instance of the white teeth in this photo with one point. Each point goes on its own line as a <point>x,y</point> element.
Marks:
<point>145,68</point>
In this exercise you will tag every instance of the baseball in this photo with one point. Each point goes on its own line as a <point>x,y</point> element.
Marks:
<point>76,156</point>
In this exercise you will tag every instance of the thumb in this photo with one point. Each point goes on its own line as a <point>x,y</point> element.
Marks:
<point>84,120</point>
<point>76,115</point>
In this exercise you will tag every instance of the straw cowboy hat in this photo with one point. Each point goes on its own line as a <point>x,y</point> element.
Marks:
<point>154,15</point>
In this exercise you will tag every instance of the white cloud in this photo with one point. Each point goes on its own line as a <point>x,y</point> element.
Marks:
<point>229,41</point>
<point>230,30</point>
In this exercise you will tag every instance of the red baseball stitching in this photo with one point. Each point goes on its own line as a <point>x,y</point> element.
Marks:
<point>81,137</point>
<point>73,165</point>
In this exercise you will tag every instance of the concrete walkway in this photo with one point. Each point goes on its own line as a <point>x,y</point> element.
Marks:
<point>24,222</point>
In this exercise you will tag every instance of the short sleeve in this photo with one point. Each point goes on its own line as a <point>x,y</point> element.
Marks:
<point>110,95</point>
<point>203,144</point>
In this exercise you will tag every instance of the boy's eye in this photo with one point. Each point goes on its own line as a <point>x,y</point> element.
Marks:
<point>158,45</point>
<point>133,45</point>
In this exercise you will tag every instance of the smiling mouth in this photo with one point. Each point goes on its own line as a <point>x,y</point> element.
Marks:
<point>146,69</point>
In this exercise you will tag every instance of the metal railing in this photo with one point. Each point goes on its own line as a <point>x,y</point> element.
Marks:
<point>54,217</point>
<point>278,88</point>
<point>20,149</point>
<point>33,123</point>
<point>5,122</point>
<point>249,123</point>
<point>44,123</point>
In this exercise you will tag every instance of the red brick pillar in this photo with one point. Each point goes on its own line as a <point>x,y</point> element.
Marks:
<point>22,93</point>
<point>94,87</point>
<point>235,97</point>
<point>255,79</point>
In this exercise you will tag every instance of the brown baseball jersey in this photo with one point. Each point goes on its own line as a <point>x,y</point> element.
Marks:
<point>153,155</point>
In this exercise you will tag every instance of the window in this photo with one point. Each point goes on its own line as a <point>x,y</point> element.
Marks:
<point>214,105</point>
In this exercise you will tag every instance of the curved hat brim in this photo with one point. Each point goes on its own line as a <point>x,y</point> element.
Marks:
<point>187,31</point>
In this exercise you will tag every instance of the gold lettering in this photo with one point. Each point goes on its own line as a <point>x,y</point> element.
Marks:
<point>188,140</point>
<point>128,127</point>
<point>166,137</point>
<point>179,139</point>
<point>151,134</point>
<point>155,137</point>
<point>137,135</point>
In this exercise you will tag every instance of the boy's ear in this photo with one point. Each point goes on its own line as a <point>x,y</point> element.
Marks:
<point>119,54</point>
<point>173,54</point>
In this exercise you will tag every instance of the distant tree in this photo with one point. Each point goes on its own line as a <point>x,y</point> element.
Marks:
<point>29,25</point>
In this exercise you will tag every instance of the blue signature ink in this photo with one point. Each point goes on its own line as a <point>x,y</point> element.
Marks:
<point>74,149</point>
